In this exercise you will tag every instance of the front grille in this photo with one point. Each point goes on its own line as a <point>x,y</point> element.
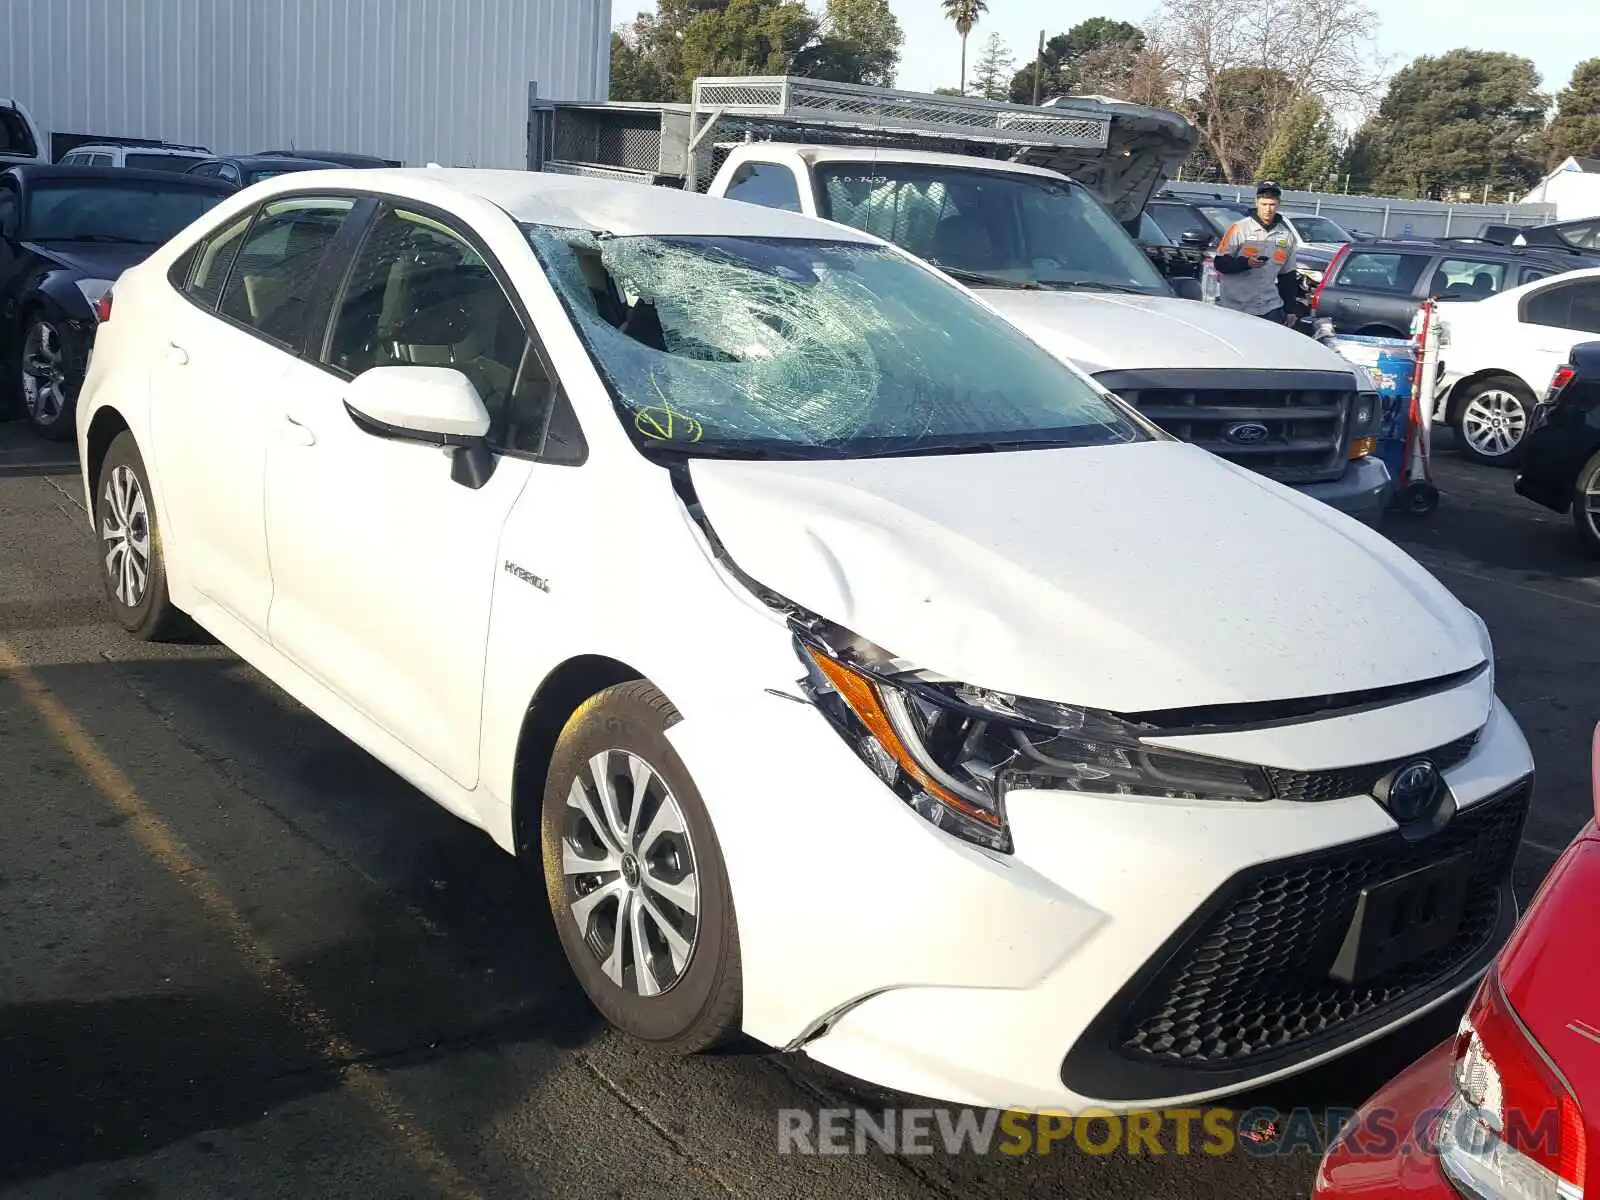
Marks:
<point>1245,988</point>
<point>1314,786</point>
<point>1306,420</point>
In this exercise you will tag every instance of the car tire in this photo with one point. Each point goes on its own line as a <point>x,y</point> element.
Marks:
<point>674,981</point>
<point>1491,420</point>
<point>50,367</point>
<point>132,565</point>
<point>1586,504</point>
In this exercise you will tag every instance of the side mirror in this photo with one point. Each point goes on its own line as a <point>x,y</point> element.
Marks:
<point>435,405</point>
<point>1195,239</point>
<point>1187,288</point>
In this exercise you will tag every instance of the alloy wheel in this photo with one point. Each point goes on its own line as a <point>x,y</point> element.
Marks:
<point>44,373</point>
<point>1591,506</point>
<point>125,533</point>
<point>629,869</point>
<point>1493,422</point>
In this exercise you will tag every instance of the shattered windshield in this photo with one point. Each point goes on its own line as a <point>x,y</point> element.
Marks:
<point>771,347</point>
<point>1008,229</point>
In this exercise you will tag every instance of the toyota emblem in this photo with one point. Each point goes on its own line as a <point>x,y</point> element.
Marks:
<point>1412,792</point>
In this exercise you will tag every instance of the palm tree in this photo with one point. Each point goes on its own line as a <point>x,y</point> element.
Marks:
<point>965,14</point>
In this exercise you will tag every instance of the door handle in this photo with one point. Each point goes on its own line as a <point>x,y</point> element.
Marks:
<point>300,435</point>
<point>177,353</point>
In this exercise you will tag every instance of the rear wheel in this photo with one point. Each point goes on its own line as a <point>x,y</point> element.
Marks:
<point>1586,504</point>
<point>131,565</point>
<point>1492,419</point>
<point>51,372</point>
<point>636,878</point>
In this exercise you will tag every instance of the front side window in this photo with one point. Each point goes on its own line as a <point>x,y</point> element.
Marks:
<point>770,185</point>
<point>770,347</point>
<point>1467,279</point>
<point>143,213</point>
<point>1176,220</point>
<point>1379,271</point>
<point>419,294</point>
<point>269,287</point>
<point>991,227</point>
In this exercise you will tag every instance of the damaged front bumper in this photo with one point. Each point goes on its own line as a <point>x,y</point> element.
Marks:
<point>1363,491</point>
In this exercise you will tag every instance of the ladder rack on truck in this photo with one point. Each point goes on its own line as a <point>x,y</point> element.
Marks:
<point>1123,151</point>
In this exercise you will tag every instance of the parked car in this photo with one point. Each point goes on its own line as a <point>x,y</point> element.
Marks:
<point>21,139</point>
<point>994,652</point>
<point>1560,466</point>
<point>166,157</point>
<point>243,171</point>
<point>1195,224</point>
<point>1046,252</point>
<point>1509,1108</point>
<point>1498,355</point>
<point>1317,232</point>
<point>1172,260</point>
<point>343,157</point>
<point>1374,288</point>
<point>1569,235</point>
<point>66,233</point>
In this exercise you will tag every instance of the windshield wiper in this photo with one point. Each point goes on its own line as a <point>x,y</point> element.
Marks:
<point>96,237</point>
<point>1094,285</point>
<point>979,279</point>
<point>968,446</point>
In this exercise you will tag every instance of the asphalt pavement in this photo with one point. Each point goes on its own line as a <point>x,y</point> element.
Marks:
<point>240,958</point>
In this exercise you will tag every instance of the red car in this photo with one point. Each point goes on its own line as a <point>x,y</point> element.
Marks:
<point>1508,1109</point>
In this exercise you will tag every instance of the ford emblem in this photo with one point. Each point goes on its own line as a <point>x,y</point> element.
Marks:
<point>1412,791</point>
<point>1246,433</point>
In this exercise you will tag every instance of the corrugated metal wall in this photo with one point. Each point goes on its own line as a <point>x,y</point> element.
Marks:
<point>416,80</point>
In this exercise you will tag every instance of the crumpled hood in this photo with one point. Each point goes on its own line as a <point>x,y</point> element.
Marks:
<point>1127,578</point>
<point>1111,331</point>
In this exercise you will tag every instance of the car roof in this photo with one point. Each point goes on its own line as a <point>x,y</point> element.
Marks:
<point>857,154</point>
<point>39,173</point>
<point>140,148</point>
<point>1473,246</point>
<point>277,160</point>
<point>580,202</point>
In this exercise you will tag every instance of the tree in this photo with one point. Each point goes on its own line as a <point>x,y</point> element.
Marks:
<point>1100,48</point>
<point>746,37</point>
<point>1576,128</point>
<point>1460,120</point>
<point>964,14</point>
<point>1304,148</point>
<point>1237,68</point>
<point>635,73</point>
<point>872,28</point>
<point>991,77</point>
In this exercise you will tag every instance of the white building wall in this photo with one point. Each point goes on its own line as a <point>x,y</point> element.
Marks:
<point>415,80</point>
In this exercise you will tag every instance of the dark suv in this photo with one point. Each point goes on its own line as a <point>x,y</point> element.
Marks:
<point>1374,288</point>
<point>1194,224</point>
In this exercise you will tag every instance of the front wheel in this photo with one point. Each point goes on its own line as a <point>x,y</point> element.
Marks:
<point>51,374</point>
<point>1492,420</point>
<point>636,878</point>
<point>1586,504</point>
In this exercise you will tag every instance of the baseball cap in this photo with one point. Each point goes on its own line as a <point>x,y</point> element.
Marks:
<point>1268,188</point>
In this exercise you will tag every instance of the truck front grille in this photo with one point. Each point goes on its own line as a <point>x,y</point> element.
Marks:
<point>1284,425</point>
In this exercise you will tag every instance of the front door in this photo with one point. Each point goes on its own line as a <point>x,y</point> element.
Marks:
<point>383,566</point>
<point>231,339</point>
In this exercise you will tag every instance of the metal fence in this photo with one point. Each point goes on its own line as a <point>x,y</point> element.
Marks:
<point>1382,216</point>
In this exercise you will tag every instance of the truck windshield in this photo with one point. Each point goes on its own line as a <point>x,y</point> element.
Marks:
<point>750,347</point>
<point>1011,228</point>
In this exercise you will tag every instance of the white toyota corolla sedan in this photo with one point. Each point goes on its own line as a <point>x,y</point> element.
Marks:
<point>860,676</point>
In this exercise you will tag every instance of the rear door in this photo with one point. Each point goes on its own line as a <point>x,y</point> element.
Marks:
<point>232,343</point>
<point>1374,291</point>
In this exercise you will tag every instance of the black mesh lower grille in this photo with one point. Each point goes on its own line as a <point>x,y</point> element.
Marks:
<point>1314,786</point>
<point>1245,986</point>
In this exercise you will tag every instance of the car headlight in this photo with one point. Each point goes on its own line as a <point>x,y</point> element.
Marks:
<point>953,751</point>
<point>94,290</point>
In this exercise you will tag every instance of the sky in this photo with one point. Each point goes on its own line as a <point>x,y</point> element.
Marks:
<point>1555,34</point>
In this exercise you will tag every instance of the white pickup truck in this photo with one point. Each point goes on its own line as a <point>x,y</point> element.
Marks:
<point>1049,255</point>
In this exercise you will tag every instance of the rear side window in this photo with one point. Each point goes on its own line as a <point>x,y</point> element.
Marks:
<point>1467,279</point>
<point>1570,306</point>
<point>1382,271</point>
<point>15,136</point>
<point>202,271</point>
<point>770,185</point>
<point>269,288</point>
